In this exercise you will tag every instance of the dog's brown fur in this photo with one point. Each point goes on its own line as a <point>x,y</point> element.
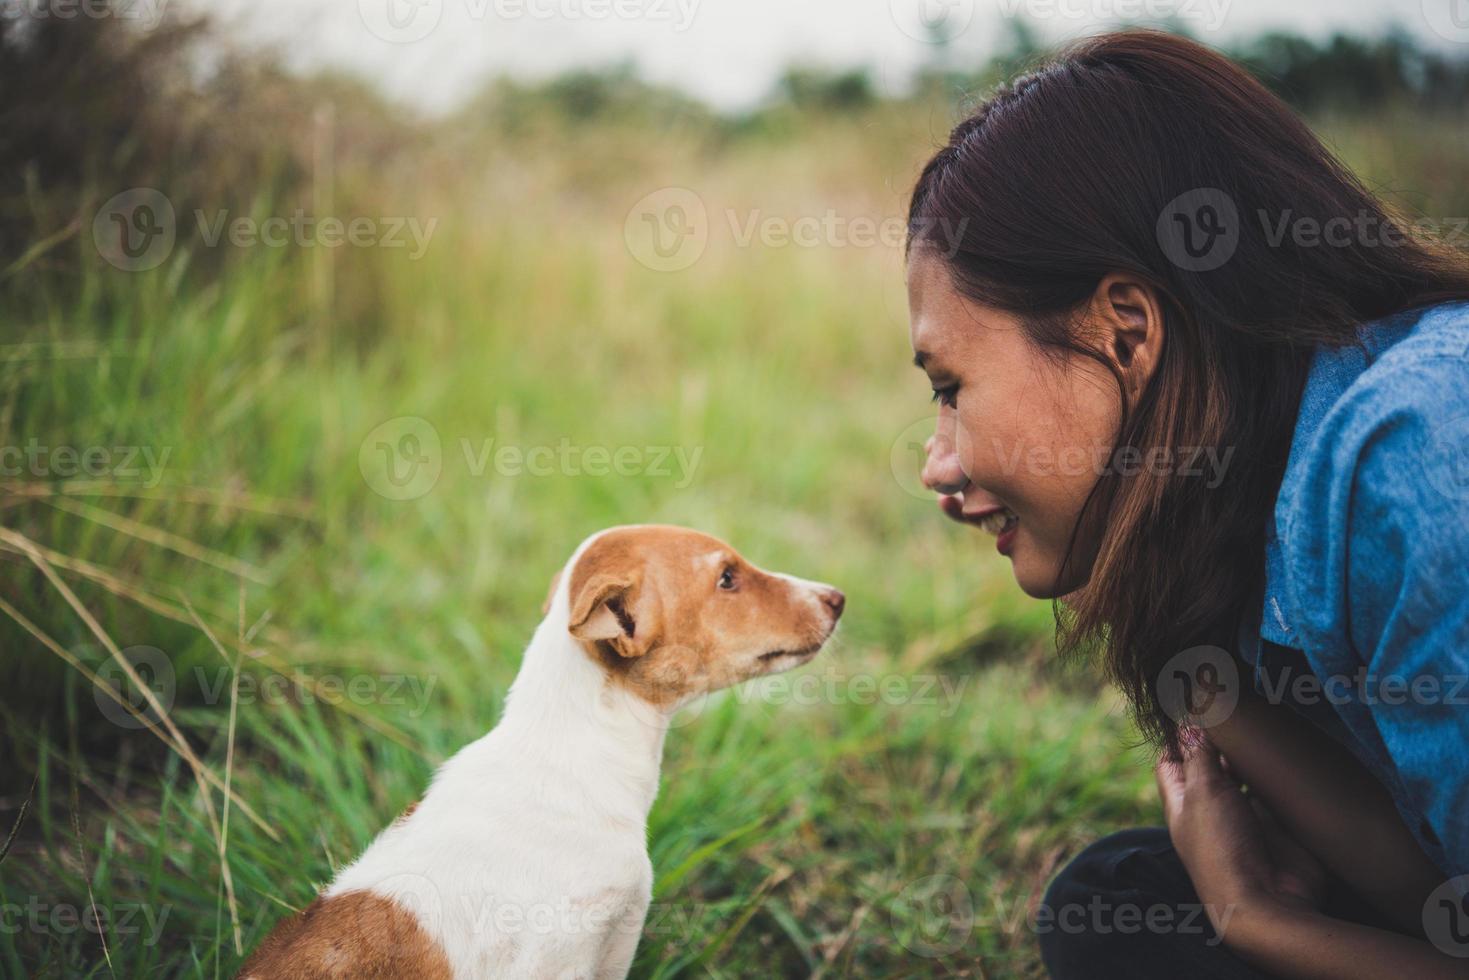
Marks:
<point>354,936</point>
<point>646,604</point>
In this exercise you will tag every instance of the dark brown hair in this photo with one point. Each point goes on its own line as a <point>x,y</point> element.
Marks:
<point>1125,154</point>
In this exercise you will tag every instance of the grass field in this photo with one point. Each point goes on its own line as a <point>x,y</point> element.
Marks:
<point>893,809</point>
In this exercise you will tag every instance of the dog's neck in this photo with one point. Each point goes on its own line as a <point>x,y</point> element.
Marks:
<point>568,716</point>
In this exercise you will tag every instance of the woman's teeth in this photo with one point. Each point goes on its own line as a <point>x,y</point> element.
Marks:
<point>999,522</point>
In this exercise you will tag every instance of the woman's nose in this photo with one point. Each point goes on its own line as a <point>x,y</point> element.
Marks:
<point>941,470</point>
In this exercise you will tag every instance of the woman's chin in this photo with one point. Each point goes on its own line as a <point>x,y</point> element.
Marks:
<point>1036,579</point>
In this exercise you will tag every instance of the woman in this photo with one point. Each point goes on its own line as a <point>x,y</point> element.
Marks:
<point>1211,394</point>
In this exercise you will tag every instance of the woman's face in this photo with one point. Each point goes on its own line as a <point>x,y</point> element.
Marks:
<point>1022,435</point>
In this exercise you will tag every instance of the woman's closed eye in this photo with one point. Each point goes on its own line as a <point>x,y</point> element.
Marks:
<point>947,396</point>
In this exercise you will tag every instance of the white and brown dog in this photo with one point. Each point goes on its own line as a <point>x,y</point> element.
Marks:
<point>528,855</point>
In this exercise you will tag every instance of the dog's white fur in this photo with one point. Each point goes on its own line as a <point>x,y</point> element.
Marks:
<point>527,857</point>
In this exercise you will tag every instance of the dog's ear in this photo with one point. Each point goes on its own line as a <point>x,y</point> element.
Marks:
<point>551,593</point>
<point>602,610</point>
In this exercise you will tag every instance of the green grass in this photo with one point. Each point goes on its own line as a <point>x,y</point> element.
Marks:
<point>832,832</point>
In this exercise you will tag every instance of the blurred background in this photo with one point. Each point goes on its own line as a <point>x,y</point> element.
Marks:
<point>331,327</point>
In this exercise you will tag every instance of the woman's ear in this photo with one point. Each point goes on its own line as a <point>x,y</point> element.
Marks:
<point>1127,315</point>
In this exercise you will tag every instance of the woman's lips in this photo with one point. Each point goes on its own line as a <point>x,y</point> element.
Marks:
<point>999,521</point>
<point>1005,540</point>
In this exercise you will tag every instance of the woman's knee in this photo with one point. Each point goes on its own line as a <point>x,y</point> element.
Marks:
<point>1095,913</point>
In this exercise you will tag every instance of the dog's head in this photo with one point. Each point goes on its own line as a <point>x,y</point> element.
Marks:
<point>672,613</point>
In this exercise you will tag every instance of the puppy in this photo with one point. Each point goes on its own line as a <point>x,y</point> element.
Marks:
<point>528,855</point>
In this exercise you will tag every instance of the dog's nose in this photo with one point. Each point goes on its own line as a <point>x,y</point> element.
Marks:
<point>835,601</point>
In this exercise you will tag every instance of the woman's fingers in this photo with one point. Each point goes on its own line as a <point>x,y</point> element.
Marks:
<point>1169,774</point>
<point>1198,768</point>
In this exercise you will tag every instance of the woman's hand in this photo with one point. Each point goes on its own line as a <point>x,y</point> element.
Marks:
<point>1267,890</point>
<point>1235,852</point>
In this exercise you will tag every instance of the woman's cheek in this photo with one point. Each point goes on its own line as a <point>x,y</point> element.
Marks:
<point>974,455</point>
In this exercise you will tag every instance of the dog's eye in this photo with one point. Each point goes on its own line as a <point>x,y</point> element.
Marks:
<point>727,580</point>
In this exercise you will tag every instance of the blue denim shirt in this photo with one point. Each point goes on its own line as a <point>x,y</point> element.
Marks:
<point>1367,566</point>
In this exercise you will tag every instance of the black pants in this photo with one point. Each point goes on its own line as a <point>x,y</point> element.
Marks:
<point>1125,908</point>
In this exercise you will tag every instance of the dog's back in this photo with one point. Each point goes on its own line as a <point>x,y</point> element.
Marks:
<point>352,936</point>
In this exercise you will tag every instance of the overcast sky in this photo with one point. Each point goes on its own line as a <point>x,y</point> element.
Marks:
<point>433,52</point>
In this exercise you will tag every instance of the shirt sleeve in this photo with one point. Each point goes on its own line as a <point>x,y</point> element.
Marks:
<point>1408,609</point>
<point>1384,515</point>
